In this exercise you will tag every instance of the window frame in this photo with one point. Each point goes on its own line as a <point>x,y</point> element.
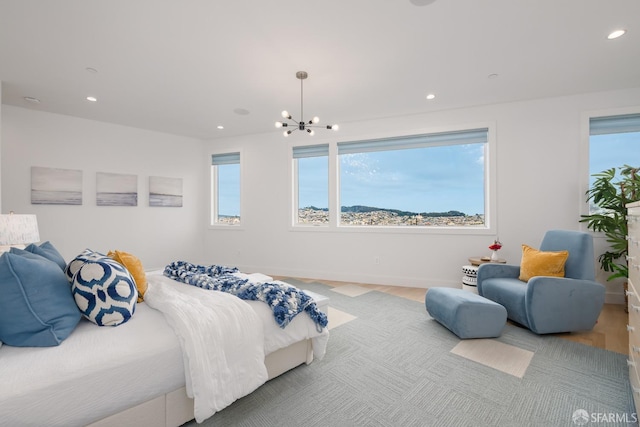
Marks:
<point>585,152</point>
<point>490,189</point>
<point>213,189</point>
<point>305,149</point>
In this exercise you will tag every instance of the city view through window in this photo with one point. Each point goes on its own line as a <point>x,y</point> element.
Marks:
<point>228,194</point>
<point>430,186</point>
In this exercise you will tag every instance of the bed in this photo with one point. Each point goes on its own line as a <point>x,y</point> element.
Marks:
<point>138,373</point>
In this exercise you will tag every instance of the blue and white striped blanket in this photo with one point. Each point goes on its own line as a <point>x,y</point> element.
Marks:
<point>285,301</point>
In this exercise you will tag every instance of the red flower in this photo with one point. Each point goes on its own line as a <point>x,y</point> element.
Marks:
<point>496,245</point>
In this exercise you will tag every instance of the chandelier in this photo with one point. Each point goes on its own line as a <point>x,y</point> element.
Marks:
<point>302,124</point>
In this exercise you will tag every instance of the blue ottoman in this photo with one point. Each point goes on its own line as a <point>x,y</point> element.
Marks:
<point>466,314</point>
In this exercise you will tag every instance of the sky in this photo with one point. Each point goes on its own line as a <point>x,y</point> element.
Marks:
<point>229,190</point>
<point>51,179</point>
<point>437,179</point>
<point>613,150</point>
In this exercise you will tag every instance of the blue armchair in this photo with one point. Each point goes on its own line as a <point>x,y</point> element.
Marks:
<point>544,304</point>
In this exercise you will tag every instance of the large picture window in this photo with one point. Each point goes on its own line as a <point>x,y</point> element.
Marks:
<point>614,141</point>
<point>434,180</point>
<point>311,166</point>
<point>225,187</point>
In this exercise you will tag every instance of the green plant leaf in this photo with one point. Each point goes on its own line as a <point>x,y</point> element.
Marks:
<point>611,197</point>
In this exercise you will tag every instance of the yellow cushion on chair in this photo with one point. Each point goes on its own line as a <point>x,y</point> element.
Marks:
<point>134,266</point>
<point>539,263</point>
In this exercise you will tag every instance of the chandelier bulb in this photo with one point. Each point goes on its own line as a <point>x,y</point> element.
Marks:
<point>316,119</point>
<point>278,124</point>
<point>311,132</point>
<point>285,114</point>
<point>334,127</point>
<point>286,132</point>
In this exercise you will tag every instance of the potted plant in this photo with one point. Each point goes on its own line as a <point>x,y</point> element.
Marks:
<point>611,193</point>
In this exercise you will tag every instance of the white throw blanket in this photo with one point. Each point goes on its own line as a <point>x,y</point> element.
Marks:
<point>222,340</point>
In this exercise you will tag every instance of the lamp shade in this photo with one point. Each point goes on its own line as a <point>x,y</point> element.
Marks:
<point>18,230</point>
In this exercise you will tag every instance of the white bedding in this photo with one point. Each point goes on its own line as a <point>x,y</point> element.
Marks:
<point>247,328</point>
<point>300,328</point>
<point>99,371</point>
<point>222,339</point>
<point>95,372</point>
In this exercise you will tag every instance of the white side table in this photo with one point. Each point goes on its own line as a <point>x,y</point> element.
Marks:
<point>470,272</point>
<point>469,278</point>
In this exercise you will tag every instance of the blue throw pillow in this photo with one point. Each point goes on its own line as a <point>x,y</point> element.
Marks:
<point>36,305</point>
<point>48,251</point>
<point>105,292</point>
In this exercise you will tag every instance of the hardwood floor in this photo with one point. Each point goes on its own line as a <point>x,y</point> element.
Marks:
<point>610,332</point>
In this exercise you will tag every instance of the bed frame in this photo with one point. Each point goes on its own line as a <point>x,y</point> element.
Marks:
<point>175,408</point>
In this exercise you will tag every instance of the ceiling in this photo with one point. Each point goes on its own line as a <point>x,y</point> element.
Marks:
<point>186,67</point>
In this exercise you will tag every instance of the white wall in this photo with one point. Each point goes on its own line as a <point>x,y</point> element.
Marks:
<point>540,148</point>
<point>156,235</point>
<point>0,147</point>
<point>541,155</point>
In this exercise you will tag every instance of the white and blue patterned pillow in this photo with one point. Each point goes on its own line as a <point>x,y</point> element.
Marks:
<point>104,292</point>
<point>75,264</point>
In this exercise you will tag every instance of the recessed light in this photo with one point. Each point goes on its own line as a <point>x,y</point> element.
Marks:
<point>492,76</point>
<point>220,127</point>
<point>615,34</point>
<point>430,96</point>
<point>92,98</point>
<point>91,70</point>
<point>241,111</point>
<point>31,99</point>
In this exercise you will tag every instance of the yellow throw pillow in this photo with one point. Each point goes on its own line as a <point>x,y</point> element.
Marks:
<point>134,265</point>
<point>539,263</point>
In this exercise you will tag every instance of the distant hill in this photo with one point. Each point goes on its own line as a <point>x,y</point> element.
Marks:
<point>366,209</point>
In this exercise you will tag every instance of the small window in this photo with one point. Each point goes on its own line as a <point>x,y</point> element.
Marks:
<point>225,189</point>
<point>432,180</point>
<point>311,170</point>
<point>614,141</point>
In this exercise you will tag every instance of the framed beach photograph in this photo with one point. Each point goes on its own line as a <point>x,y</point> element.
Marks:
<point>116,189</point>
<point>165,192</point>
<point>51,186</point>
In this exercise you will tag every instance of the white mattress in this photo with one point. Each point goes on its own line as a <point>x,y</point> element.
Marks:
<point>95,372</point>
<point>99,371</point>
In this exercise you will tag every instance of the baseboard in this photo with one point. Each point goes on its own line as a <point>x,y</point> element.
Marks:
<point>614,298</point>
<point>370,279</point>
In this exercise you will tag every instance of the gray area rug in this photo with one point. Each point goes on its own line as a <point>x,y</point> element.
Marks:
<point>393,366</point>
